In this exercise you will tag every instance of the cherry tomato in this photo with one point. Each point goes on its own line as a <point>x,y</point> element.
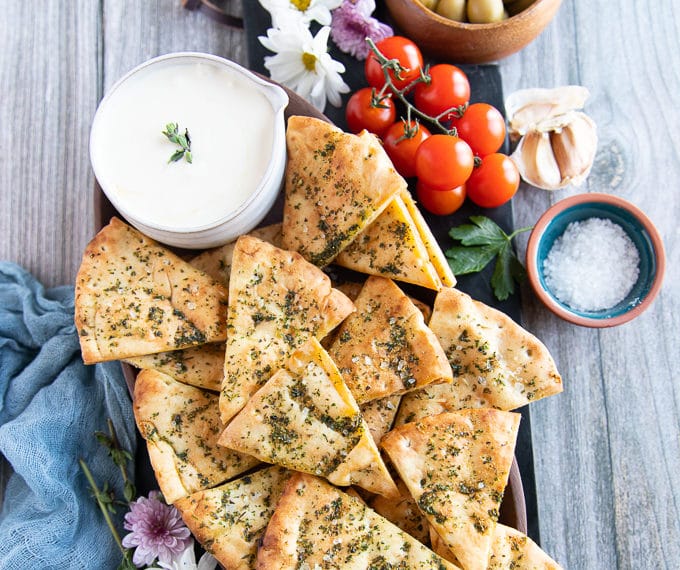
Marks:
<point>483,127</point>
<point>444,162</point>
<point>402,150</point>
<point>365,111</point>
<point>448,88</point>
<point>440,202</point>
<point>494,182</point>
<point>399,48</point>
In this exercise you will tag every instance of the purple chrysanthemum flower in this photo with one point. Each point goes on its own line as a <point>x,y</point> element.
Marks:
<point>157,530</point>
<point>352,24</point>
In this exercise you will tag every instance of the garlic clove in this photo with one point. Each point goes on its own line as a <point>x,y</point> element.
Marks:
<point>574,147</point>
<point>534,109</point>
<point>536,161</point>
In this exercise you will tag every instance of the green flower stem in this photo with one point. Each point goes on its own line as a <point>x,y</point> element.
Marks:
<point>102,506</point>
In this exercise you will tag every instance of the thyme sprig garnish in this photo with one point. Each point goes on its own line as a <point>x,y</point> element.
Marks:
<point>183,140</point>
<point>441,121</point>
<point>106,497</point>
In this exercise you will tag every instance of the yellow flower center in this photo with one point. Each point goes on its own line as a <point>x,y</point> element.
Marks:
<point>301,5</point>
<point>309,61</point>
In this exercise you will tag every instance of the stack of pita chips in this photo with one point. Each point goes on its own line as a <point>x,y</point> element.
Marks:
<point>250,356</point>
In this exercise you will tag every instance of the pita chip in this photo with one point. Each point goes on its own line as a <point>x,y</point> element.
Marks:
<point>495,362</point>
<point>305,418</point>
<point>181,427</point>
<point>316,525</point>
<point>277,301</point>
<point>392,247</point>
<point>456,466</point>
<point>134,297</point>
<point>229,520</point>
<point>200,366</point>
<point>404,513</point>
<point>216,262</point>
<point>513,550</point>
<point>385,347</point>
<point>379,415</point>
<point>336,185</point>
<point>435,253</point>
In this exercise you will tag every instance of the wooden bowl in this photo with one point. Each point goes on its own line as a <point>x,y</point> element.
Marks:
<point>453,41</point>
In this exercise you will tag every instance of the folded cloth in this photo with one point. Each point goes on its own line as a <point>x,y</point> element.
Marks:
<point>50,406</point>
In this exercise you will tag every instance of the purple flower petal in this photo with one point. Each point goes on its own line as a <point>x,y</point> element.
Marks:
<point>352,24</point>
<point>157,530</point>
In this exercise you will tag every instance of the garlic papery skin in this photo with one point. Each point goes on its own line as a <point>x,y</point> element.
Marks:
<point>558,143</point>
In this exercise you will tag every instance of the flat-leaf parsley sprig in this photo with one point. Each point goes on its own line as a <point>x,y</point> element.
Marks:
<point>481,242</point>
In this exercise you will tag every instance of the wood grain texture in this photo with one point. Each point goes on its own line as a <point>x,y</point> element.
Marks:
<point>607,451</point>
<point>49,85</point>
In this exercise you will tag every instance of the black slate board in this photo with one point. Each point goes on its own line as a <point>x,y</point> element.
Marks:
<point>486,86</point>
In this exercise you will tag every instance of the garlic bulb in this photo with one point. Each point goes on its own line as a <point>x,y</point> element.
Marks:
<point>558,142</point>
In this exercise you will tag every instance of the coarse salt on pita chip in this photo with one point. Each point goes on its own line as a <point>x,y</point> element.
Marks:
<point>305,418</point>
<point>495,362</point>
<point>392,247</point>
<point>180,424</point>
<point>200,366</point>
<point>316,525</point>
<point>134,297</point>
<point>277,300</point>
<point>336,185</point>
<point>229,520</point>
<point>385,347</point>
<point>456,466</point>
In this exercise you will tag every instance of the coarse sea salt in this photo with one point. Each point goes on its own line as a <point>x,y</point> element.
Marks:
<point>592,266</point>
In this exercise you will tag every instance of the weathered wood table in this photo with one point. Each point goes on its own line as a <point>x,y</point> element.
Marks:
<point>607,451</point>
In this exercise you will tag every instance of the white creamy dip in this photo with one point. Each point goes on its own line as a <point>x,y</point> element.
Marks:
<point>230,123</point>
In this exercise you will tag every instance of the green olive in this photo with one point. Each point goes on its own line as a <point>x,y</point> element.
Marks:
<point>516,6</point>
<point>429,4</point>
<point>485,11</point>
<point>452,9</point>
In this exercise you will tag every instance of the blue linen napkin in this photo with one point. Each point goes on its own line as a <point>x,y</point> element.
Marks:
<point>50,406</point>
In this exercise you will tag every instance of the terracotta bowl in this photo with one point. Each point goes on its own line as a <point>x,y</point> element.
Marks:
<point>639,229</point>
<point>446,39</point>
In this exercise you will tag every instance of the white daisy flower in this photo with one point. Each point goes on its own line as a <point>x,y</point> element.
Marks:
<point>285,11</point>
<point>303,64</point>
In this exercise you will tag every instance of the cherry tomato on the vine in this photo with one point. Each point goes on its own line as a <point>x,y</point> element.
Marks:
<point>494,182</point>
<point>399,48</point>
<point>366,111</point>
<point>440,202</point>
<point>444,162</point>
<point>483,127</point>
<point>448,88</point>
<point>402,149</point>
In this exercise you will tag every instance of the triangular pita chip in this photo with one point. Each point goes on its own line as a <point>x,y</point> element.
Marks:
<point>385,347</point>
<point>404,512</point>
<point>513,550</point>
<point>336,185</point>
<point>379,415</point>
<point>230,520</point>
<point>306,419</point>
<point>181,427</point>
<point>316,525</point>
<point>200,366</point>
<point>277,300</point>
<point>495,362</point>
<point>134,297</point>
<point>217,262</point>
<point>435,253</point>
<point>391,246</point>
<point>456,466</point>
<point>352,290</point>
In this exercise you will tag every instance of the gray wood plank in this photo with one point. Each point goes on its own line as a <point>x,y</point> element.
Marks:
<point>49,78</point>
<point>136,31</point>
<point>607,450</point>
